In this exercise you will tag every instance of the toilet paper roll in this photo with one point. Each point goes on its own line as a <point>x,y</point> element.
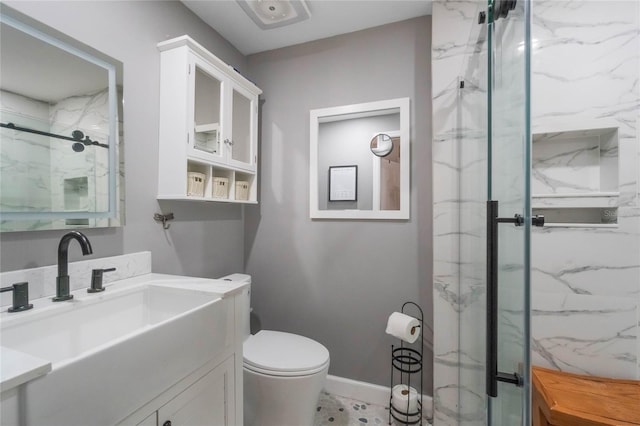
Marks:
<point>403,394</point>
<point>403,327</point>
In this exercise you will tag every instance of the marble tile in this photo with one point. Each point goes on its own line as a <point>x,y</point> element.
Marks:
<point>566,166</point>
<point>586,62</point>
<point>586,282</point>
<point>449,43</point>
<point>89,114</point>
<point>593,62</point>
<point>446,350</point>
<point>637,163</point>
<point>42,280</point>
<point>584,334</point>
<point>45,167</point>
<point>23,154</point>
<point>582,261</point>
<point>472,346</point>
<point>587,52</point>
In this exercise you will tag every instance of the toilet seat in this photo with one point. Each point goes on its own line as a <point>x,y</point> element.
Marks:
<point>276,353</point>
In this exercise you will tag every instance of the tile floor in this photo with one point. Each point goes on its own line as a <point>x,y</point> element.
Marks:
<point>335,410</point>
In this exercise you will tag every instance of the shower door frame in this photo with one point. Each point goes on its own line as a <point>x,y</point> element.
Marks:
<point>485,131</point>
<point>501,321</point>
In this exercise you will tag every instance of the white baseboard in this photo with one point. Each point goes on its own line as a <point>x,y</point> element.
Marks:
<point>368,392</point>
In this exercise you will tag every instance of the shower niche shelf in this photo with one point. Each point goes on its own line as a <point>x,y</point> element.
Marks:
<point>574,179</point>
<point>208,125</point>
<point>583,217</point>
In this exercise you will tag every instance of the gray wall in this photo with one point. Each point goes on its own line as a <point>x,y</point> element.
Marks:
<point>346,143</point>
<point>335,281</point>
<point>205,239</point>
<point>338,281</point>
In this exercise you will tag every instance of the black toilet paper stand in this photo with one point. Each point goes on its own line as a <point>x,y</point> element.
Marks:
<point>406,362</point>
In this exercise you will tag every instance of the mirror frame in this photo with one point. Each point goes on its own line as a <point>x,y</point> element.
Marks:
<point>325,115</point>
<point>114,213</point>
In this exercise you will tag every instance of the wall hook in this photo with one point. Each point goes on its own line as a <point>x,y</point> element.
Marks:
<point>164,218</point>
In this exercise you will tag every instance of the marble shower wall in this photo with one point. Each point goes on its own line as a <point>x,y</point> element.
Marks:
<point>23,154</point>
<point>50,165</point>
<point>90,114</point>
<point>454,402</point>
<point>586,281</point>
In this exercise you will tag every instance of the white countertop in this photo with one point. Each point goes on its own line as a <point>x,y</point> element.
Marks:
<point>17,367</point>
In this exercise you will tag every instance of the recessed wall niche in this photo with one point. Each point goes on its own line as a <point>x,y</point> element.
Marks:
<point>574,179</point>
<point>76,199</point>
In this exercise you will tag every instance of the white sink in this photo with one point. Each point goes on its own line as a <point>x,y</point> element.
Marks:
<point>112,352</point>
<point>95,321</point>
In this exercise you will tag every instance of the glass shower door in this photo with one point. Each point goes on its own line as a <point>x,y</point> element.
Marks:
<point>508,213</point>
<point>492,127</point>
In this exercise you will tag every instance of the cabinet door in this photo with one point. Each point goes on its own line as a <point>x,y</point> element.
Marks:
<point>151,420</point>
<point>209,401</point>
<point>242,143</point>
<point>206,107</point>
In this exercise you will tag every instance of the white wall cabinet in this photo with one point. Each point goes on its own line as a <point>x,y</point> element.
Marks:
<point>208,125</point>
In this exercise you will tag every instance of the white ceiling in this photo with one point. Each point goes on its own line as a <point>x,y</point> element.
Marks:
<point>328,18</point>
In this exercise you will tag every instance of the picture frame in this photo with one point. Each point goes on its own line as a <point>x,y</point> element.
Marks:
<point>343,183</point>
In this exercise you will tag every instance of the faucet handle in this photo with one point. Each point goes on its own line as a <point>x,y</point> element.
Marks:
<point>96,280</point>
<point>20,296</point>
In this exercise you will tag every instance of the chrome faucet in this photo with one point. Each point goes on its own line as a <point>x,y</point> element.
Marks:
<point>62,280</point>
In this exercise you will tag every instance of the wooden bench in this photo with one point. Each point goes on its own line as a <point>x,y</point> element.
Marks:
<point>565,399</point>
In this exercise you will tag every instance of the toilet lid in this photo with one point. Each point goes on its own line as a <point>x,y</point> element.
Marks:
<point>284,354</point>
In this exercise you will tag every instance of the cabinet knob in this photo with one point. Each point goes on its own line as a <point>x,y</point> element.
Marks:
<point>229,142</point>
<point>167,423</point>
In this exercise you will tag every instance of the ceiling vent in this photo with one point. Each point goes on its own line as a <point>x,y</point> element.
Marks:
<point>268,14</point>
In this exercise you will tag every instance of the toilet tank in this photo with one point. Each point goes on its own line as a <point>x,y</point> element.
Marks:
<point>245,300</point>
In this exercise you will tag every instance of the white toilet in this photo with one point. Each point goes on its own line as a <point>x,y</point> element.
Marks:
<point>284,374</point>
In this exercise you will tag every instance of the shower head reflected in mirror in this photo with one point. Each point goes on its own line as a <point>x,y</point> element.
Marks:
<point>381,145</point>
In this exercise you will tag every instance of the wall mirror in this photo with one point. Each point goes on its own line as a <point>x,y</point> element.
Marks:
<point>60,130</point>
<point>360,160</point>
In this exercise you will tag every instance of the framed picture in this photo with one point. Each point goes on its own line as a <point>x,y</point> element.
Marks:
<point>343,183</point>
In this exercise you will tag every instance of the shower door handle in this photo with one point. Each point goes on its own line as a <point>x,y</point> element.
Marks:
<point>493,376</point>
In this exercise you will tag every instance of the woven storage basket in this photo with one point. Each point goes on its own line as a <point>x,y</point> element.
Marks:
<point>242,190</point>
<point>195,184</point>
<point>220,187</point>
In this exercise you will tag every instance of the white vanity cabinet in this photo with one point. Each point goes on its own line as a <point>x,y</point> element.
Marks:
<point>208,127</point>
<point>160,348</point>
<point>208,401</point>
<point>212,394</point>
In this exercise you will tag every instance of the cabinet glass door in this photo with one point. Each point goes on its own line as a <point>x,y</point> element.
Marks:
<point>207,100</point>
<point>241,148</point>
